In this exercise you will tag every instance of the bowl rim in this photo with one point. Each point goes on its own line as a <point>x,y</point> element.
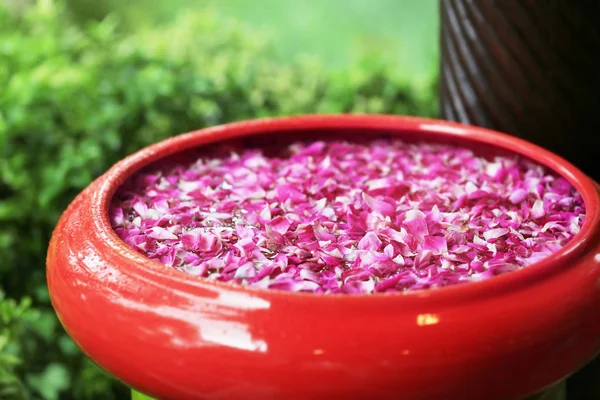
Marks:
<point>566,257</point>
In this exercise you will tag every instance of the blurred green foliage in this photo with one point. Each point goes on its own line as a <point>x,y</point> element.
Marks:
<point>77,97</point>
<point>335,31</point>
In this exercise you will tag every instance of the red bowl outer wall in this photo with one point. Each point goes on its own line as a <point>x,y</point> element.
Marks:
<point>174,336</point>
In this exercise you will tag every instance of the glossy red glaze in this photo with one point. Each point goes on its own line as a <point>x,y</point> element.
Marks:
<point>174,336</point>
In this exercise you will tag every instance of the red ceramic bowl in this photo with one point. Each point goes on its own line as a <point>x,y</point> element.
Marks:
<point>175,336</point>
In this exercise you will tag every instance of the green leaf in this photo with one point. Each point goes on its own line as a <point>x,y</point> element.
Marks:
<point>51,382</point>
<point>139,396</point>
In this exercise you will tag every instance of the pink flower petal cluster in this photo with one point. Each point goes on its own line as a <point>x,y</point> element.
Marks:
<point>347,217</point>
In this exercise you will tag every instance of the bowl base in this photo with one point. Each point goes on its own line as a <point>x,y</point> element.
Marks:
<point>556,392</point>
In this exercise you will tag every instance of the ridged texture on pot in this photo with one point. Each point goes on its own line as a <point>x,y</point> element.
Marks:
<point>529,68</point>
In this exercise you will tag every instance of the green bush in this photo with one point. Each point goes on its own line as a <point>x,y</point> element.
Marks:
<point>75,99</point>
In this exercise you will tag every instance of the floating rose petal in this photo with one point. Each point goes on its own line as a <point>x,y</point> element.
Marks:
<point>160,233</point>
<point>537,211</point>
<point>436,244</point>
<point>494,233</point>
<point>369,242</point>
